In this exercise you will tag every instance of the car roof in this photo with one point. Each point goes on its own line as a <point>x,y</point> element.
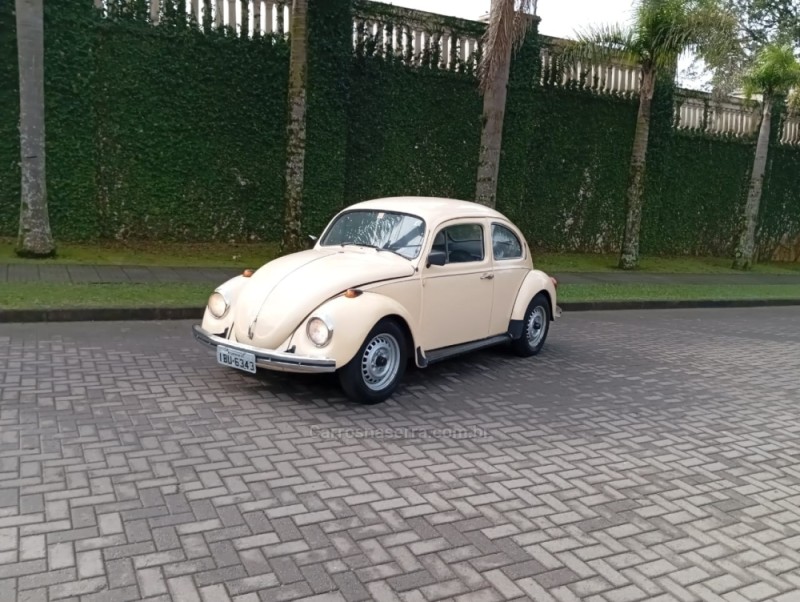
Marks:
<point>431,209</point>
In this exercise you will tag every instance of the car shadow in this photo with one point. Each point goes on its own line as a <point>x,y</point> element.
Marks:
<point>440,381</point>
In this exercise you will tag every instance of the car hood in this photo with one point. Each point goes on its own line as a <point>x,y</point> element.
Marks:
<point>285,291</point>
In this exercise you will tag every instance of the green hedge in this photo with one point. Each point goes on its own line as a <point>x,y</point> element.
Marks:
<point>9,117</point>
<point>191,134</point>
<point>70,119</point>
<point>170,133</point>
<point>329,51</point>
<point>560,178</point>
<point>780,210</point>
<point>411,132</point>
<point>154,132</point>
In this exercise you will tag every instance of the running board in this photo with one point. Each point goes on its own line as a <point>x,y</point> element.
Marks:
<point>437,355</point>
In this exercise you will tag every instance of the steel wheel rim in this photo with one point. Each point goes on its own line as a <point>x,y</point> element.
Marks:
<point>537,326</point>
<point>380,361</point>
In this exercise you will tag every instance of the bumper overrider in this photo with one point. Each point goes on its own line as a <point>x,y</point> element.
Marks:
<point>266,358</point>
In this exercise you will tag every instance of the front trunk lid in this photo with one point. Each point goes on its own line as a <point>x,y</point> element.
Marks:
<point>280,295</point>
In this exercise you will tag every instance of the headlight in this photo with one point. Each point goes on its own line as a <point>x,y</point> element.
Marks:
<point>319,332</point>
<point>218,305</point>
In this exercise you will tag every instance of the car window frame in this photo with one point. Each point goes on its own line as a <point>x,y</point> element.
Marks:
<point>461,221</point>
<point>522,255</point>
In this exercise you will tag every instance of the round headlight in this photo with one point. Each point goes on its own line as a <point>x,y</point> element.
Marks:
<point>218,305</point>
<point>319,332</point>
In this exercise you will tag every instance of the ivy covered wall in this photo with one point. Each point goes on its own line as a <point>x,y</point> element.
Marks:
<point>9,116</point>
<point>411,132</point>
<point>191,134</point>
<point>161,132</point>
<point>172,133</point>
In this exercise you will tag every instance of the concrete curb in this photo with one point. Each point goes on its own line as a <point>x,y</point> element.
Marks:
<point>699,304</point>
<point>89,314</point>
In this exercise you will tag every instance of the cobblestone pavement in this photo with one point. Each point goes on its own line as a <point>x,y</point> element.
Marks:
<point>643,456</point>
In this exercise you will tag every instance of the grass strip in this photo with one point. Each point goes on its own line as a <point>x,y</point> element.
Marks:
<point>30,295</point>
<point>130,295</point>
<point>576,262</point>
<point>256,254</point>
<point>675,292</point>
<point>208,255</point>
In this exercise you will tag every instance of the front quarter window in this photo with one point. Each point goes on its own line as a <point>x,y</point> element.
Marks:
<point>397,232</point>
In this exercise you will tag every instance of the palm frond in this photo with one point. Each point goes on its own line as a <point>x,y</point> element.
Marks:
<point>603,44</point>
<point>775,71</point>
<point>509,20</point>
<point>672,28</point>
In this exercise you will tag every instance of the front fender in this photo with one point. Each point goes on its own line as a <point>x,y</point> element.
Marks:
<point>535,282</point>
<point>351,319</point>
<point>230,289</point>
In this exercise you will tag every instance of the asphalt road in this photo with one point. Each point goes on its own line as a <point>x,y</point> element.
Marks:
<point>643,456</point>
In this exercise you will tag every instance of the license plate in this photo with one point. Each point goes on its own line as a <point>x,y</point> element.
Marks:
<point>233,358</point>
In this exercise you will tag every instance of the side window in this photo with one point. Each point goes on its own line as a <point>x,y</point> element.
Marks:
<point>461,243</point>
<point>505,244</point>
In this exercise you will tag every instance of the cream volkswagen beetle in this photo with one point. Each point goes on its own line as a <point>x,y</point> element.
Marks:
<point>389,280</point>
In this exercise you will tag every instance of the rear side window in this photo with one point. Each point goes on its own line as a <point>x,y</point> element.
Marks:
<point>505,244</point>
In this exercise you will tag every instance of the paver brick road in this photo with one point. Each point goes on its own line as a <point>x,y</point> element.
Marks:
<point>643,456</point>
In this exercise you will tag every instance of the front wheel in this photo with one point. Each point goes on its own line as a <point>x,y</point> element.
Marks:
<point>536,324</point>
<point>378,367</point>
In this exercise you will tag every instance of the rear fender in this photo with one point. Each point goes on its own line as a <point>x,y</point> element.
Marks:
<point>535,282</point>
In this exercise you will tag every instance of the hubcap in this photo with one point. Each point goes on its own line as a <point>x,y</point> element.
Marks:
<point>380,361</point>
<point>537,326</point>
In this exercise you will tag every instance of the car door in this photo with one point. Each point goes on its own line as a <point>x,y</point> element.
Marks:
<point>457,297</point>
<point>510,268</point>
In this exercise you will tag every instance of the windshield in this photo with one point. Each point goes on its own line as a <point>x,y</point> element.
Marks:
<point>397,232</point>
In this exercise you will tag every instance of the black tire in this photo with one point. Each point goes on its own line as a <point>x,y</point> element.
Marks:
<point>365,379</point>
<point>535,326</point>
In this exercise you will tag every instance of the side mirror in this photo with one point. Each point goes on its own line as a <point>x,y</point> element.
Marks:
<point>437,258</point>
<point>312,240</point>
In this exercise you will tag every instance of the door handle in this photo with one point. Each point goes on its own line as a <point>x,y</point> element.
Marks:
<point>487,276</point>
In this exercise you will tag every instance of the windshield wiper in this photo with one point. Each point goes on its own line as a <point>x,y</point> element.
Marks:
<point>359,244</point>
<point>392,251</point>
<point>376,247</point>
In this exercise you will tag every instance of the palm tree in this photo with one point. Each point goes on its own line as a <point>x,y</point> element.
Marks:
<point>35,238</point>
<point>660,32</point>
<point>774,73</point>
<point>508,22</point>
<point>296,144</point>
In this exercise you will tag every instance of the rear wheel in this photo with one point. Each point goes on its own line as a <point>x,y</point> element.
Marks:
<point>536,324</point>
<point>379,365</point>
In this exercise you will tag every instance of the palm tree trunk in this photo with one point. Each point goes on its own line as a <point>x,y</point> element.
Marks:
<point>745,251</point>
<point>494,108</point>
<point>629,258</point>
<point>296,144</point>
<point>35,238</point>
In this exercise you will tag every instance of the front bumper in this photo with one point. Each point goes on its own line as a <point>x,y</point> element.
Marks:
<point>267,358</point>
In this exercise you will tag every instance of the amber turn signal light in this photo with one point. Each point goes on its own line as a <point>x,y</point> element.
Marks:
<point>352,293</point>
<point>555,282</point>
<point>247,273</point>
